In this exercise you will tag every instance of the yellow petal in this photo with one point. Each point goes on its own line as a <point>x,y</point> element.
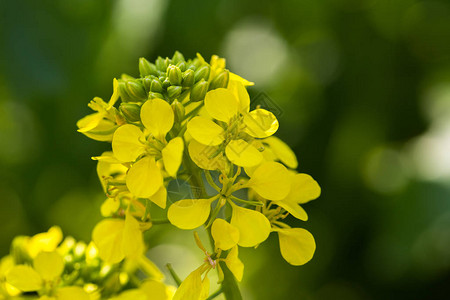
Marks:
<point>191,287</point>
<point>45,241</point>
<point>189,213</point>
<point>103,132</point>
<point>253,226</point>
<point>282,151</point>
<point>241,153</point>
<point>150,269</point>
<point>160,197</point>
<point>49,265</point>
<point>108,237</point>
<point>205,131</point>
<point>72,293</point>
<point>271,180</point>
<point>109,207</point>
<point>303,189</point>
<point>126,143</point>
<point>25,278</point>
<point>172,155</point>
<point>240,92</point>
<point>297,245</point>
<point>235,264</point>
<point>132,294</point>
<point>245,82</point>
<point>157,116</point>
<point>294,209</point>
<point>132,241</point>
<point>221,104</point>
<point>115,95</point>
<point>225,235</point>
<point>89,122</point>
<point>201,155</point>
<point>144,178</point>
<point>155,290</point>
<point>260,123</point>
<point>205,288</point>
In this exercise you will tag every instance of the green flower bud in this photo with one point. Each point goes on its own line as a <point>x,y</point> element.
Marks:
<point>174,91</point>
<point>166,83</point>
<point>174,74</point>
<point>136,89</point>
<point>131,111</point>
<point>162,63</point>
<point>123,91</point>
<point>146,68</point>
<point>195,64</point>
<point>177,57</point>
<point>202,73</point>
<point>156,86</point>
<point>188,77</point>
<point>220,81</point>
<point>146,82</point>
<point>153,95</point>
<point>199,90</point>
<point>182,66</point>
<point>178,111</point>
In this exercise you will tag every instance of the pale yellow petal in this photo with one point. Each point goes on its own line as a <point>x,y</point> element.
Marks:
<point>109,207</point>
<point>297,245</point>
<point>25,278</point>
<point>103,132</point>
<point>72,293</point>
<point>157,116</point>
<point>89,122</point>
<point>271,180</point>
<point>260,123</point>
<point>235,264</point>
<point>172,155</point>
<point>160,197</point>
<point>189,213</point>
<point>225,235</point>
<point>253,226</point>
<point>126,143</point>
<point>282,151</point>
<point>221,104</point>
<point>294,209</point>
<point>241,153</point>
<point>191,287</point>
<point>108,237</point>
<point>132,240</point>
<point>303,189</point>
<point>49,265</point>
<point>240,92</point>
<point>245,82</point>
<point>206,157</point>
<point>144,178</point>
<point>205,131</point>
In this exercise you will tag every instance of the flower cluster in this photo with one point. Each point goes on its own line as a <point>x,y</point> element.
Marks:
<point>181,120</point>
<point>190,120</point>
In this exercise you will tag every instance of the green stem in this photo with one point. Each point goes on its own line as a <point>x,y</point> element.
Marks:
<point>173,274</point>
<point>159,221</point>
<point>215,294</point>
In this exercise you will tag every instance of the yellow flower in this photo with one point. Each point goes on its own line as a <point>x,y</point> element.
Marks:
<point>149,290</point>
<point>271,180</point>
<point>148,151</point>
<point>193,287</point>
<point>101,125</point>
<point>116,239</point>
<point>235,126</point>
<point>189,213</point>
<point>45,241</point>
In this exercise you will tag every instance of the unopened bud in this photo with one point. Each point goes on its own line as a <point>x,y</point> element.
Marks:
<point>156,86</point>
<point>174,91</point>
<point>178,111</point>
<point>123,91</point>
<point>199,90</point>
<point>220,81</point>
<point>166,83</point>
<point>195,64</point>
<point>136,90</point>
<point>162,63</point>
<point>177,57</point>
<point>182,66</point>
<point>153,95</point>
<point>146,68</point>
<point>174,74</point>
<point>188,78</point>
<point>131,111</point>
<point>202,73</point>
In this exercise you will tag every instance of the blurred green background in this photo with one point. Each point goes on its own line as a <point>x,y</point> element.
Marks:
<point>363,91</point>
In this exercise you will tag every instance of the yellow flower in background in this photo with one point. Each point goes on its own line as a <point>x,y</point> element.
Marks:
<point>149,290</point>
<point>101,125</point>
<point>45,241</point>
<point>235,125</point>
